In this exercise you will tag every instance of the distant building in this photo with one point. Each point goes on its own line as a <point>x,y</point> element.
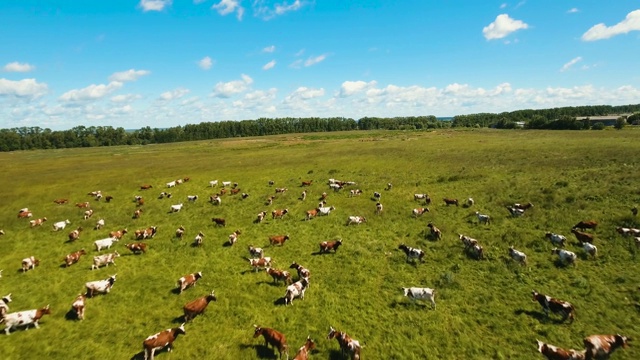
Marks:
<point>607,120</point>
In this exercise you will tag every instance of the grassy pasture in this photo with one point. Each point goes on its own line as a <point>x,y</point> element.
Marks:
<point>484,308</point>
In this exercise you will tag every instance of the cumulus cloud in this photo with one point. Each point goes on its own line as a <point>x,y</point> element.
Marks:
<point>226,7</point>
<point>154,5</point>
<point>129,75</point>
<point>601,31</point>
<point>125,98</point>
<point>225,90</point>
<point>502,26</point>
<point>91,92</point>
<point>25,88</point>
<point>205,63</point>
<point>269,65</point>
<point>173,94</point>
<point>269,49</point>
<point>568,65</point>
<point>18,67</point>
<point>304,93</point>
<point>349,88</point>
<point>284,7</point>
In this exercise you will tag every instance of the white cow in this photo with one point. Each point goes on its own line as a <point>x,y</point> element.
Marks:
<point>100,286</point>
<point>4,305</point>
<point>99,224</point>
<point>226,183</point>
<point>213,183</point>
<point>171,184</point>
<point>105,260</point>
<point>326,210</point>
<point>192,197</point>
<point>296,290</point>
<point>60,225</point>
<point>590,249</point>
<point>416,293</point>
<point>483,218</point>
<point>24,318</point>
<point>356,220</point>
<point>29,263</point>
<point>104,243</point>
<point>565,255</point>
<point>518,256</point>
<point>556,239</point>
<point>176,208</point>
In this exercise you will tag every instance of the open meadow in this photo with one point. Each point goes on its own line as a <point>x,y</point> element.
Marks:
<point>484,307</point>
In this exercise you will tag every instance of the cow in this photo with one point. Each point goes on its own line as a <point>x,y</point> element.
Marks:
<point>83,205</point>
<point>192,198</point>
<point>523,207</point>
<point>416,293</point>
<point>389,186</point>
<point>29,263</point>
<point>61,201</point>
<point>323,196</point>
<point>634,211</point>
<point>88,214</point>
<point>582,237</point>
<point>164,194</point>
<point>274,338</point>
<point>420,196</point>
<point>137,213</point>
<point>188,281</point>
<point>412,253</point>
<point>279,275</point>
<point>434,231</point>
<point>25,318</point>
<point>307,183</point>
<point>161,340</point>
<point>262,262</point>
<point>104,243</point>
<point>602,346</point>
<point>197,306</point>
<point>197,241</point>
<point>108,198</point>
<point>60,225</point>
<point>146,187</point>
<point>215,199</point>
<point>376,196</point>
<point>279,213</point>
<point>554,305</point>
<point>468,241</point>
<point>37,222</point>
<point>295,290</point>
<point>310,214</point>
<point>305,350</point>
<point>356,220</point>
<point>355,192</point>
<point>219,221</point>
<point>175,208</point>
<point>556,239</point>
<point>565,256</point>
<point>588,224</point>
<point>518,256</point>
<point>180,232</point>
<point>628,231</point>
<point>590,249</point>
<point>303,195</point>
<point>147,233</point>
<point>278,239</point>
<point>74,257</point>
<point>477,251</point>
<point>137,248</point>
<point>419,211</point>
<point>78,306</point>
<point>256,252</point>
<point>171,184</point>
<point>483,218</point>
<point>515,212</point>
<point>348,345</point>
<point>260,217</point>
<point>449,201</point>
<point>104,259</point>
<point>24,214</point>
<point>327,246</point>
<point>235,191</point>
<point>99,224</point>
<point>118,234</point>
<point>100,286</point>
<point>4,306</point>
<point>234,237</point>
<point>213,183</point>
<point>302,271</point>
<point>226,183</point>
<point>552,352</point>
<point>378,208</point>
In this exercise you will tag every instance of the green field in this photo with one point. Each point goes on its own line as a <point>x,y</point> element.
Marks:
<point>484,307</point>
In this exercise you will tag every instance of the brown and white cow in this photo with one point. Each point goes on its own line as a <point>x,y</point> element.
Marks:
<point>37,222</point>
<point>279,213</point>
<point>24,318</point>
<point>146,187</point>
<point>197,306</point>
<point>88,214</point>
<point>118,234</point>
<point>61,201</point>
<point>73,258</point>
<point>161,340</point>
<point>435,233</point>
<point>78,306</point>
<point>188,281</point>
<point>104,259</point>
<point>327,246</point>
<point>278,239</point>
<point>310,214</point>
<point>586,224</point>
<point>307,183</point>
<point>449,201</point>
<point>233,237</point>
<point>262,262</point>
<point>582,236</point>
<point>602,346</point>
<point>256,252</point>
<point>83,204</point>
<point>305,350</point>
<point>554,305</point>
<point>197,241</point>
<point>180,232</point>
<point>347,344</point>
<point>137,248</point>
<point>147,233</point>
<point>274,338</point>
<point>552,352</point>
<point>29,263</point>
<point>137,213</point>
<point>303,272</point>
<point>419,211</point>
<point>279,275</point>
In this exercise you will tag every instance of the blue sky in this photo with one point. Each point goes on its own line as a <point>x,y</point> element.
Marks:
<point>163,63</point>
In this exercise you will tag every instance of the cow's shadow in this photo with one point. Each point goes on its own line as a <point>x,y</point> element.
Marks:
<point>279,302</point>
<point>71,315</point>
<point>540,316</point>
<point>408,304</point>
<point>227,244</point>
<point>262,351</point>
<point>179,320</point>
<point>175,291</point>
<point>140,355</point>
<point>336,355</point>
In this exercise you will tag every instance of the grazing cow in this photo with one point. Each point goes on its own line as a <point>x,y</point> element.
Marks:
<point>192,198</point>
<point>279,213</point>
<point>271,182</point>
<point>470,202</point>
<point>234,237</point>
<point>146,187</point>
<point>139,201</point>
<point>104,243</point>
<point>98,196</point>
<point>278,239</point>
<point>356,220</point>
<point>74,257</point>
<point>188,281</point>
<point>355,192</point>
<point>256,252</point>
<point>477,251</point>
<point>37,222</point>
<point>325,210</point>
<point>29,263</point>
<point>234,191</point>
<point>565,256</point>
<point>108,198</point>
<point>420,196</point>
<point>4,306</point>
<point>327,246</point>
<point>176,208</point>
<point>305,350</point>
<point>348,345</point>
<point>99,224</point>
<point>582,236</point>
<point>213,183</point>
<point>60,225</point>
<point>449,201</point>
<point>377,196</point>
<point>262,262</point>
<point>483,218</point>
<point>590,249</point>
<point>518,256</point>
<point>197,306</point>
<point>602,346</point>
<point>118,234</point>
<point>515,212</point>
<point>137,248</point>
<point>171,184</point>
<point>419,211</point>
<point>468,241</point>
<point>279,275</point>
<point>219,221</point>
<point>303,196</point>
<point>137,214</point>
<point>222,192</point>
<point>412,253</point>
<point>628,231</point>
<point>226,183</point>
<point>556,239</point>
<point>378,208</point>
<point>24,214</point>
<point>552,352</point>
<point>104,259</point>
<point>197,241</point>
<point>554,305</point>
<point>164,194</point>
<point>434,231</point>
<point>180,232</point>
<point>307,183</point>
<point>100,286</point>
<point>274,338</point>
<point>78,306</point>
<point>523,207</point>
<point>179,181</point>
<point>302,271</point>
<point>61,201</point>
<point>147,233</point>
<point>389,186</point>
<point>296,290</point>
<point>88,214</point>
<point>215,199</point>
<point>83,204</point>
<point>583,225</point>
<point>161,340</point>
<point>416,293</point>
<point>24,318</point>
<point>310,214</point>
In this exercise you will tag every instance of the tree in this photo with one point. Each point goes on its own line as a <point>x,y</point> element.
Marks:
<point>620,123</point>
<point>598,126</point>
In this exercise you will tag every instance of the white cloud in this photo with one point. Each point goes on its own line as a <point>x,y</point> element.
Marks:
<point>601,31</point>
<point>25,88</point>
<point>154,5</point>
<point>502,26</point>
<point>503,5</point>
<point>284,8</point>
<point>129,75</point>
<point>304,93</point>
<point>573,10</point>
<point>269,49</point>
<point>173,94</point>
<point>349,88</point>
<point>225,90</point>
<point>568,65</point>
<point>91,92</point>
<point>226,7</point>
<point>205,63</point>
<point>267,12</point>
<point>125,98</point>
<point>18,67</point>
<point>314,60</point>
<point>269,65</point>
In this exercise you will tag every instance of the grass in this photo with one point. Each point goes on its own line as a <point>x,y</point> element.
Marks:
<point>484,307</point>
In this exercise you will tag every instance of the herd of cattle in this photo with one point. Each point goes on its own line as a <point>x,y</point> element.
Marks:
<point>596,346</point>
